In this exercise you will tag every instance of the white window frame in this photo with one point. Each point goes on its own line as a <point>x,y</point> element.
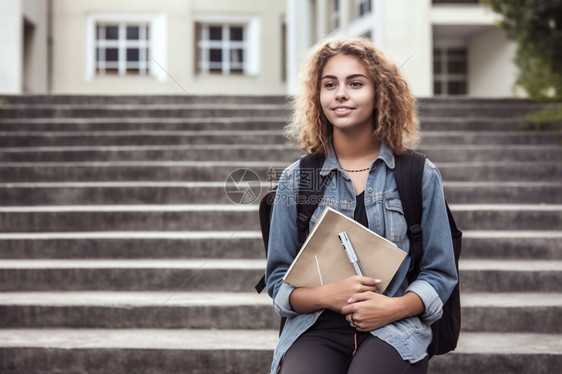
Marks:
<point>156,41</point>
<point>251,44</point>
<point>445,77</point>
<point>122,44</point>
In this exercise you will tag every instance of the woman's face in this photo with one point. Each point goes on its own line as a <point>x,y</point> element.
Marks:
<point>347,93</point>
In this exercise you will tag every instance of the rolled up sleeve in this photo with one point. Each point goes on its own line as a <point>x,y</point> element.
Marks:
<point>430,298</point>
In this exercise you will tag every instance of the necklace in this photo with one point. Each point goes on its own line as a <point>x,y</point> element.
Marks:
<point>356,170</point>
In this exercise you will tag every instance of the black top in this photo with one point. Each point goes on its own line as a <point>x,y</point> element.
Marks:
<point>329,319</point>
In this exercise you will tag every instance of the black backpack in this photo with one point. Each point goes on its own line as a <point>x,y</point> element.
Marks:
<point>408,173</point>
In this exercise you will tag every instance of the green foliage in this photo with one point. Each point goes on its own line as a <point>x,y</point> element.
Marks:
<point>536,28</point>
<point>550,117</point>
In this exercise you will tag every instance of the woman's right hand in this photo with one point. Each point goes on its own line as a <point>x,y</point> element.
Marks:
<point>338,294</point>
<point>332,296</point>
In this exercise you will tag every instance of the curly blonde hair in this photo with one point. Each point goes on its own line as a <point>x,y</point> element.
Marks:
<point>395,121</point>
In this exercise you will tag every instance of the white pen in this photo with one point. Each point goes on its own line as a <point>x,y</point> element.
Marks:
<point>350,252</point>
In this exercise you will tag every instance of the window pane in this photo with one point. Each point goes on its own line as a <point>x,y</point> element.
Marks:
<point>111,32</point>
<point>365,7</point>
<point>133,33</point>
<point>111,54</point>
<point>98,54</point>
<point>457,53</point>
<point>99,32</point>
<point>236,34</point>
<point>215,33</point>
<point>456,67</point>
<point>456,88</point>
<point>215,55</point>
<point>237,56</point>
<point>437,88</point>
<point>132,54</point>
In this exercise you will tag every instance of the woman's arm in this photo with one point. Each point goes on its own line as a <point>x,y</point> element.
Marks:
<point>368,311</point>
<point>332,296</point>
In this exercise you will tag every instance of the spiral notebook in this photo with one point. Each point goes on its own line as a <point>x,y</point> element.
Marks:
<point>322,259</point>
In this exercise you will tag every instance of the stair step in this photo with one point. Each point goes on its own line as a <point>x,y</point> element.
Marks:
<point>489,312</point>
<point>31,99</point>
<point>194,171</point>
<point>429,123</point>
<point>238,217</point>
<point>280,152</point>
<point>232,275</point>
<point>148,99</point>
<point>510,275</point>
<point>238,351</point>
<point>184,310</point>
<point>239,275</point>
<point>190,109</point>
<point>40,140</point>
<point>144,111</point>
<point>512,312</point>
<point>147,351</point>
<point>102,193</point>
<point>502,353</point>
<point>131,244</point>
<point>505,245</point>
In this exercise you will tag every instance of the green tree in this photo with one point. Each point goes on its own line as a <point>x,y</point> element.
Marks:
<point>536,28</point>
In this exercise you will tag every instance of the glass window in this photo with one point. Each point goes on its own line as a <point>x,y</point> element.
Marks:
<point>221,48</point>
<point>133,33</point>
<point>364,7</point>
<point>456,87</point>
<point>237,33</point>
<point>450,71</point>
<point>122,49</point>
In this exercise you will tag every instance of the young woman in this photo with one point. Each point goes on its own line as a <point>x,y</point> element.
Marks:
<point>357,111</point>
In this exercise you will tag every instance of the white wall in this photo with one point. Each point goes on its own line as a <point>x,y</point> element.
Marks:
<point>491,70</point>
<point>35,56</point>
<point>11,24</point>
<point>71,63</point>
<point>407,38</point>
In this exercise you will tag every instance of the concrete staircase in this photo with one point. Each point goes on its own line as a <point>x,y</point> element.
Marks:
<point>121,251</point>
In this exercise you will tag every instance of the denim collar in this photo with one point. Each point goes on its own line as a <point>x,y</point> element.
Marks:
<point>331,162</point>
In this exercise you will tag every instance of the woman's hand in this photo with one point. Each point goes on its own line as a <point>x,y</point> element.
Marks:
<point>369,310</point>
<point>332,296</point>
<point>339,293</point>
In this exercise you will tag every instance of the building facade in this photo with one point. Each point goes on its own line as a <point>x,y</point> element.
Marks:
<point>443,47</point>
<point>247,47</point>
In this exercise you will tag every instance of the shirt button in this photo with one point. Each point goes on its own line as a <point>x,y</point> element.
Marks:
<point>370,189</point>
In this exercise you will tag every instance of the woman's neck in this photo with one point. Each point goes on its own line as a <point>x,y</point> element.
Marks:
<point>354,149</point>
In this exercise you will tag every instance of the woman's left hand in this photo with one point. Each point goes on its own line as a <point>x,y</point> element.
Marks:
<point>369,310</point>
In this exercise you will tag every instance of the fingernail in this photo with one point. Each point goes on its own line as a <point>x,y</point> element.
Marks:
<point>378,280</point>
<point>350,300</point>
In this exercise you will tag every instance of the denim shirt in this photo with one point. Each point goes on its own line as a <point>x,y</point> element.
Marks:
<point>437,277</point>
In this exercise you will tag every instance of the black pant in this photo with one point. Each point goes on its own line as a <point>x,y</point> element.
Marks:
<point>326,350</point>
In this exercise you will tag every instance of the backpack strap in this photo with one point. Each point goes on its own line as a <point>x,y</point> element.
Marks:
<point>265,210</point>
<point>311,190</point>
<point>408,172</point>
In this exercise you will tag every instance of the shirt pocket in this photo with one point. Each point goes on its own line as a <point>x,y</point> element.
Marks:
<point>394,220</point>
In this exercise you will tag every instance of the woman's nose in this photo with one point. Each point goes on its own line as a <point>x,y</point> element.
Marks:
<point>341,93</point>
